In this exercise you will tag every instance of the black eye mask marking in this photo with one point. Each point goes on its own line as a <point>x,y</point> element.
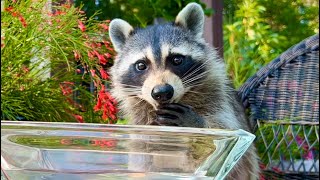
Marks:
<point>187,67</point>
<point>135,77</point>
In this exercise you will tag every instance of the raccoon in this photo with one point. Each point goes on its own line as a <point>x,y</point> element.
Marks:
<point>166,74</point>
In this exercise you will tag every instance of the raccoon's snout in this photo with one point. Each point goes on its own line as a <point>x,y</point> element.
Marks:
<point>162,93</point>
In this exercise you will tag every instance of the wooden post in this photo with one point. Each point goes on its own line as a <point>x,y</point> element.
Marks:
<point>213,25</point>
<point>217,5</point>
<point>208,25</point>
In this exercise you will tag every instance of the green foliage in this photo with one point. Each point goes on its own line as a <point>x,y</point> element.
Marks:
<point>249,42</point>
<point>40,56</point>
<point>136,12</point>
<point>255,32</point>
<point>294,20</point>
<point>122,121</point>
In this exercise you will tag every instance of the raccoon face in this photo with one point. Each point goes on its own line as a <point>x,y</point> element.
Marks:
<point>160,63</point>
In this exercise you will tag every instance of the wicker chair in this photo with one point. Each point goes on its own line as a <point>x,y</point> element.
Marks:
<point>283,100</point>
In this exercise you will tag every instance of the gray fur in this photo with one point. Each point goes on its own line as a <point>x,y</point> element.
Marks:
<point>119,32</point>
<point>192,18</point>
<point>212,98</point>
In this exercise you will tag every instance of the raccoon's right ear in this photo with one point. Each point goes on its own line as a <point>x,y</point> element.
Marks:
<point>191,18</point>
<point>119,31</point>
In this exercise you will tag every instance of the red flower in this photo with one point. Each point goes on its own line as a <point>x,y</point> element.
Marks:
<point>98,45</point>
<point>107,20</point>
<point>308,155</point>
<point>104,74</point>
<point>102,60</point>
<point>107,104</point>
<point>76,54</point>
<point>9,9</point>
<point>113,116</point>
<point>107,55</point>
<point>66,88</point>
<point>110,49</point>
<point>23,21</point>
<point>93,45</point>
<point>93,72</point>
<point>68,6</point>
<point>276,169</point>
<point>67,82</point>
<point>262,166</point>
<point>15,14</point>
<point>262,177</point>
<point>81,26</point>
<point>98,106</point>
<point>59,13</point>
<point>104,26</point>
<point>107,44</point>
<point>104,112</point>
<point>78,71</point>
<point>79,118</point>
<point>25,69</point>
<point>90,55</point>
<point>96,52</point>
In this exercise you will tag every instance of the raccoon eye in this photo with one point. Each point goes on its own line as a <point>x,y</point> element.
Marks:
<point>140,66</point>
<point>177,60</point>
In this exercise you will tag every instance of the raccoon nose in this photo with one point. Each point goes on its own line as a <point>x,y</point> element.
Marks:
<point>162,93</point>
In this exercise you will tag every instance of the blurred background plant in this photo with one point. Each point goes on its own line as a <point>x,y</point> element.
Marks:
<point>48,60</point>
<point>255,31</point>
<point>54,64</point>
<point>138,12</point>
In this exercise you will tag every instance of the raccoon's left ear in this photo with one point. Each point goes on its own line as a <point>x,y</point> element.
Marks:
<point>119,31</point>
<point>191,17</point>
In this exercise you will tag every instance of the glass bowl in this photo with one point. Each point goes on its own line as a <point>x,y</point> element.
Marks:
<point>41,150</point>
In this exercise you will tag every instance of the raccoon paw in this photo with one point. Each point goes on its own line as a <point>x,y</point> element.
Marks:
<point>178,115</point>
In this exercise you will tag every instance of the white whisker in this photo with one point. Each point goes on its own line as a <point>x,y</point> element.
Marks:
<point>141,100</point>
<point>186,76</point>
<point>197,77</point>
<point>128,85</point>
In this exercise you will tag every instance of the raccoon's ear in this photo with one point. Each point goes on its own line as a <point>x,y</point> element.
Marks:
<point>191,17</point>
<point>119,31</point>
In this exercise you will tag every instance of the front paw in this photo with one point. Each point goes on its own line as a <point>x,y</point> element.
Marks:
<point>178,115</point>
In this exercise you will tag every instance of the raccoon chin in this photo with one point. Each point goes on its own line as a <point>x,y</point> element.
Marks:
<point>157,105</point>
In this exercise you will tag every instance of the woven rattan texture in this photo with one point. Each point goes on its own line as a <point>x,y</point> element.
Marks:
<point>283,99</point>
<point>288,87</point>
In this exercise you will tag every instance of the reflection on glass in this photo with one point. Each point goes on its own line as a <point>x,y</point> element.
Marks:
<point>91,151</point>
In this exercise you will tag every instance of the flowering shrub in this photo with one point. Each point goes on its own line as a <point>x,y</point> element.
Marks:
<point>49,59</point>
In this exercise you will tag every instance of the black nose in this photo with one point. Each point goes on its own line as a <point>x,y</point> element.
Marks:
<point>162,93</point>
